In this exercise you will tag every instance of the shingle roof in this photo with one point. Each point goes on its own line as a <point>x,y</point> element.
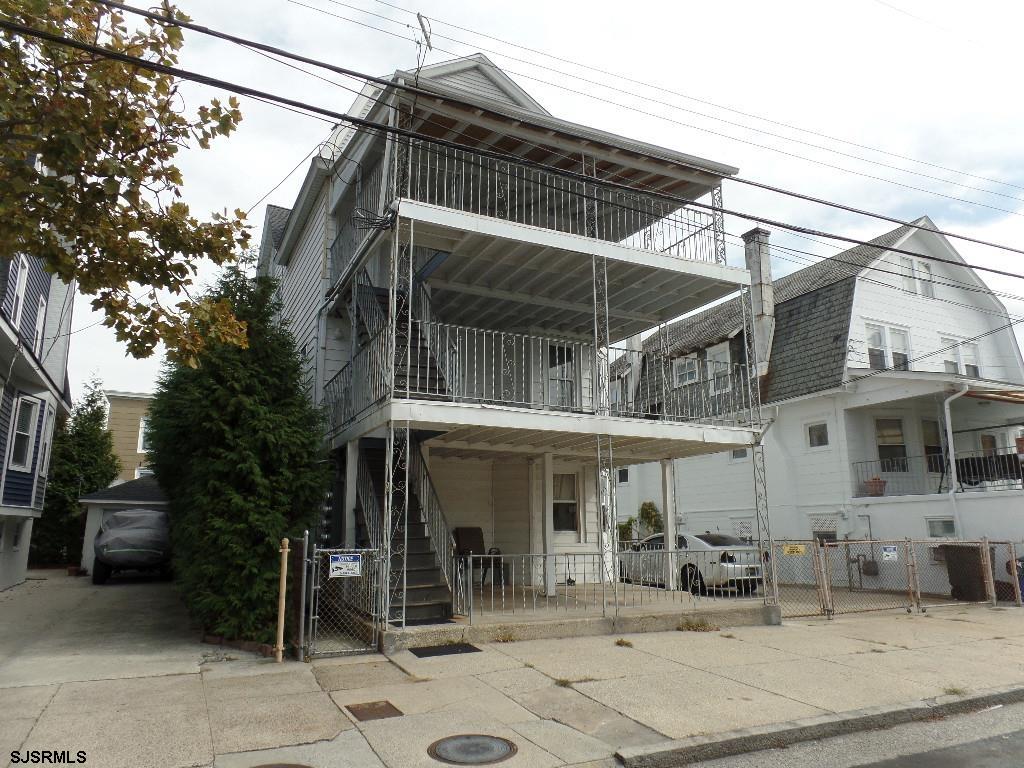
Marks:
<point>144,489</point>
<point>812,313</point>
<point>276,218</point>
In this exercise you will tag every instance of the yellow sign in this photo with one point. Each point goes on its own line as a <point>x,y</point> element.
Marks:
<point>794,549</point>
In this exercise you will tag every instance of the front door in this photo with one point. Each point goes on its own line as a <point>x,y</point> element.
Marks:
<point>562,378</point>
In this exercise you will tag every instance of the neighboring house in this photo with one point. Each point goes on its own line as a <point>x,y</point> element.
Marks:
<point>35,321</point>
<point>896,390</point>
<point>126,422</point>
<point>142,493</point>
<point>443,298</point>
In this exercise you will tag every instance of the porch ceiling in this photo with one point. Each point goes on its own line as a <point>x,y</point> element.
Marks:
<point>511,285</point>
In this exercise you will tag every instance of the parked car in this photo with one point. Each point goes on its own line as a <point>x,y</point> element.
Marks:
<point>706,561</point>
<point>132,540</point>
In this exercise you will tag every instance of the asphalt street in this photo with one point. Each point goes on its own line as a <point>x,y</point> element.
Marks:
<point>988,739</point>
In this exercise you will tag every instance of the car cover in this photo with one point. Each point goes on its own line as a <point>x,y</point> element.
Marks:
<point>134,538</point>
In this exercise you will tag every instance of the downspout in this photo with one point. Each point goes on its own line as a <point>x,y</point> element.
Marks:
<point>951,453</point>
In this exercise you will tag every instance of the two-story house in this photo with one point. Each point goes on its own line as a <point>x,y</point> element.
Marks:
<point>35,320</point>
<point>461,291</point>
<point>126,422</point>
<point>895,390</point>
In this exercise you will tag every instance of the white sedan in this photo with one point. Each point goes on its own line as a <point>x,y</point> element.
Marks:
<point>705,561</point>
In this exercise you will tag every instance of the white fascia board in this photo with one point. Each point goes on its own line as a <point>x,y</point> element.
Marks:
<point>507,230</point>
<point>315,176</point>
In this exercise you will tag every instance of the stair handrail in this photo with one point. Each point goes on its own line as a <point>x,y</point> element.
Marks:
<point>445,355</point>
<point>367,304</point>
<point>432,513</point>
<point>367,496</point>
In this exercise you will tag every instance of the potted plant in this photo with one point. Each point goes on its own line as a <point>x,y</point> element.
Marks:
<point>875,486</point>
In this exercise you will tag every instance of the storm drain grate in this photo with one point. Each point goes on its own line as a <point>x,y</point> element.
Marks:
<point>374,710</point>
<point>426,651</point>
<point>472,749</point>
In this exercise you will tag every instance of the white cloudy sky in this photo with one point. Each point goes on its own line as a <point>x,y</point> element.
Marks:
<point>931,80</point>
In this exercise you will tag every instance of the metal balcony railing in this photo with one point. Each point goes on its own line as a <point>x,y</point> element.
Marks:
<point>919,475</point>
<point>467,181</point>
<point>364,206</point>
<point>443,362</point>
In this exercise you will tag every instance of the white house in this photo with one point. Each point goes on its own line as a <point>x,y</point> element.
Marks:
<point>460,295</point>
<point>895,390</point>
<point>35,319</point>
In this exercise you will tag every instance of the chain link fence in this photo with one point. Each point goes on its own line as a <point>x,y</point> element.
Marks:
<point>797,570</point>
<point>869,576</point>
<point>344,594</point>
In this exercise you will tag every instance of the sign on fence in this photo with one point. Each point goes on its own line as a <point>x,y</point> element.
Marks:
<point>890,552</point>
<point>794,549</point>
<point>345,565</point>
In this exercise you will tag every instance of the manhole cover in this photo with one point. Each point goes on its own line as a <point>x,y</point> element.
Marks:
<point>281,765</point>
<point>472,749</point>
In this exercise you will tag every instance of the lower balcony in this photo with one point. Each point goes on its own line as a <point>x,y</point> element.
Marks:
<point>444,363</point>
<point>930,474</point>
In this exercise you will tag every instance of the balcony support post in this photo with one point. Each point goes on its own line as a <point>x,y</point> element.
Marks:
<point>349,510</point>
<point>668,505</point>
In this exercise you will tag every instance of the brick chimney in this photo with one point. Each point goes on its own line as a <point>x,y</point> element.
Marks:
<point>762,294</point>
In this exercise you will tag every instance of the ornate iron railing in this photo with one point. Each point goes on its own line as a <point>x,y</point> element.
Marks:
<point>364,206</point>
<point>920,475</point>
<point>368,502</point>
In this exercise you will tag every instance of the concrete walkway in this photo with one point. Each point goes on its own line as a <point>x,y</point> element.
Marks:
<point>78,674</point>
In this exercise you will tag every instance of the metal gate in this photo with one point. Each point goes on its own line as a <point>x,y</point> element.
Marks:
<point>343,598</point>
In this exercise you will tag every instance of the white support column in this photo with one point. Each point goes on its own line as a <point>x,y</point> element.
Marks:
<point>668,506</point>
<point>548,482</point>
<point>351,473</point>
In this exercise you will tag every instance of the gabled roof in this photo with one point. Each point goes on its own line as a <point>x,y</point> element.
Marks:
<point>144,490</point>
<point>812,318</point>
<point>476,76</point>
<point>276,218</point>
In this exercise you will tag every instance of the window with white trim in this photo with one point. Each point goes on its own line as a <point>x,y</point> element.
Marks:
<point>144,441</point>
<point>20,285</point>
<point>817,435</point>
<point>907,274</point>
<point>888,347</point>
<point>623,475</point>
<point>44,447</point>
<point>925,279</point>
<point>892,445</point>
<point>941,527</point>
<point>685,370</point>
<point>737,454</point>
<point>718,367</point>
<point>565,503</point>
<point>37,340</point>
<point>960,357</point>
<point>23,442</point>
<point>916,277</point>
<point>143,472</point>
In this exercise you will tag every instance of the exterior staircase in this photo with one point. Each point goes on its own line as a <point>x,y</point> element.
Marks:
<point>428,597</point>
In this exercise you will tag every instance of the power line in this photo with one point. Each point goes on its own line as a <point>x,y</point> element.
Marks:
<point>361,122</point>
<point>655,115</point>
<point>264,49</point>
<point>706,102</point>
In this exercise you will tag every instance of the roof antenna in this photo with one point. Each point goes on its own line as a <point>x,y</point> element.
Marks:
<point>425,28</point>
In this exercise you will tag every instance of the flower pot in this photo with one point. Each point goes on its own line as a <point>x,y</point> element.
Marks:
<point>875,486</point>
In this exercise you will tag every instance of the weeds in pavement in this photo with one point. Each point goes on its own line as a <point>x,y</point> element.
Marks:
<point>728,635</point>
<point>623,643</point>
<point>954,691</point>
<point>690,624</point>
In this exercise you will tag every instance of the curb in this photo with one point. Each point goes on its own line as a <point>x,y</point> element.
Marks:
<point>698,748</point>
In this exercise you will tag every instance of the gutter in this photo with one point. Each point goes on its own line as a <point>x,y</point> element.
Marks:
<point>951,451</point>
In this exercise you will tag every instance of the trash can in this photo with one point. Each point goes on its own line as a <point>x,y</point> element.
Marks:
<point>965,571</point>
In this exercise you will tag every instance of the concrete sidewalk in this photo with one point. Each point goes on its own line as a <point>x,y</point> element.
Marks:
<point>563,702</point>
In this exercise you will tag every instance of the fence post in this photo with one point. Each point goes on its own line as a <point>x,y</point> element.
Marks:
<point>986,564</point>
<point>907,556</point>
<point>822,577</point>
<point>469,586</point>
<point>917,577</point>
<point>302,596</point>
<point>1015,573</point>
<point>282,586</point>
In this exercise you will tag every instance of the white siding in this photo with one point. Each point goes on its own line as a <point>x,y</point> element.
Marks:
<point>56,338</point>
<point>301,287</point>
<point>511,506</point>
<point>475,82</point>
<point>466,493</point>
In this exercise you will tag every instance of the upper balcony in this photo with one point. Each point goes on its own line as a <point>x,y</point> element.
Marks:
<point>471,182</point>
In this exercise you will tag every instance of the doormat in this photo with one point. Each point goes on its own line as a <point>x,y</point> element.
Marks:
<point>426,651</point>
<point>374,710</point>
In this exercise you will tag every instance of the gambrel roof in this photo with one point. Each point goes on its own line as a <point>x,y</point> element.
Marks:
<point>812,321</point>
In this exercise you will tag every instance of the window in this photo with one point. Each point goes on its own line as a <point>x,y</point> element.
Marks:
<point>144,442</point>
<point>960,357</point>
<point>900,349</point>
<point>988,445</point>
<point>941,527</point>
<point>817,435</point>
<point>738,454</point>
<point>624,475</point>
<point>44,448</point>
<point>566,506</point>
<point>924,277</point>
<point>932,439</point>
<point>823,537</point>
<point>143,472</point>
<point>20,282</point>
<point>887,347</point>
<point>685,370</point>
<point>907,272</point>
<point>24,434</point>
<point>718,367</point>
<point>876,346</point>
<point>561,376</point>
<point>892,448</point>
<point>719,539</point>
<point>37,340</point>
